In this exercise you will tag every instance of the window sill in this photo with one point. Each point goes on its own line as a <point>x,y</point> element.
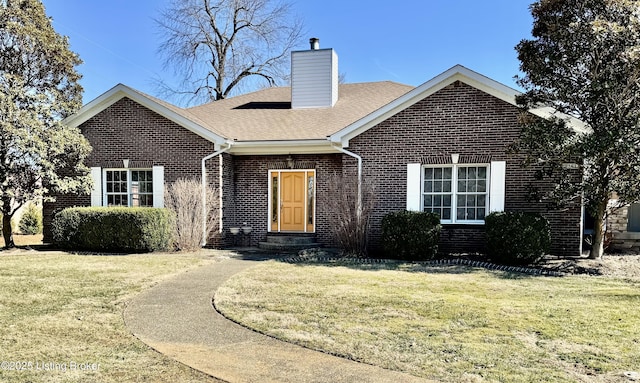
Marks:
<point>463,223</point>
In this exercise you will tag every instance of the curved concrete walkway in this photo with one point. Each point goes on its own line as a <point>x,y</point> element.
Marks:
<point>177,318</point>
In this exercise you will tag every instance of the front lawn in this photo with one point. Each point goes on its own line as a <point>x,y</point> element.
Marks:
<point>61,318</point>
<point>453,323</point>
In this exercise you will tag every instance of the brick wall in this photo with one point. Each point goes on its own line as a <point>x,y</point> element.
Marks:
<point>457,119</point>
<point>250,179</point>
<point>128,130</point>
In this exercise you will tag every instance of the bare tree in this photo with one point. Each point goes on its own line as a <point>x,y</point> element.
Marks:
<point>217,46</point>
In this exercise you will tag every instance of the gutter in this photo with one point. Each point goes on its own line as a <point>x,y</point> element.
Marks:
<point>204,192</point>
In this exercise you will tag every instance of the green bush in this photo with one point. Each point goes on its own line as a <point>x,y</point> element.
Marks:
<point>31,221</point>
<point>515,238</point>
<point>119,229</point>
<point>410,235</point>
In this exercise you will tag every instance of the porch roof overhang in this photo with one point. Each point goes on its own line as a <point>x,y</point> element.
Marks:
<point>314,146</point>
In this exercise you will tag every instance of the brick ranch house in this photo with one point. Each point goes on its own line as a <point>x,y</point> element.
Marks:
<point>441,146</point>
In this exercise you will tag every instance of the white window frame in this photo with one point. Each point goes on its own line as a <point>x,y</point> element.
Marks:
<point>454,191</point>
<point>129,185</point>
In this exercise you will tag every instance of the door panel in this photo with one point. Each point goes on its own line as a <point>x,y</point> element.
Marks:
<point>292,201</point>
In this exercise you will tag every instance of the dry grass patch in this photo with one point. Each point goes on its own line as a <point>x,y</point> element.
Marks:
<point>450,323</point>
<point>24,240</point>
<point>60,308</point>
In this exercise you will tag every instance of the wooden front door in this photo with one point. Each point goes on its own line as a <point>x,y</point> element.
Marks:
<point>292,202</point>
<point>292,198</point>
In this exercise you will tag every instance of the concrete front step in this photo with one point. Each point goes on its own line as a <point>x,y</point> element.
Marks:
<point>288,243</point>
<point>291,239</point>
<point>286,247</point>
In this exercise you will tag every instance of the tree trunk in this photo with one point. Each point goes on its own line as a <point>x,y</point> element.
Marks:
<point>7,232</point>
<point>599,231</point>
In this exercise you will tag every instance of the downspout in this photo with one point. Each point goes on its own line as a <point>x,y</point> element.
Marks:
<point>357,157</point>
<point>204,192</point>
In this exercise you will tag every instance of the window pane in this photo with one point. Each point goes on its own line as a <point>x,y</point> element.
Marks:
<point>472,173</point>
<point>461,201</point>
<point>462,186</point>
<point>428,186</point>
<point>482,186</point>
<point>462,173</point>
<point>310,194</point>
<point>437,173</point>
<point>437,200</point>
<point>471,186</point>
<point>460,214</point>
<point>471,200</point>
<point>428,173</point>
<point>116,187</point>
<point>447,173</point>
<point>482,173</point>
<point>482,200</point>
<point>116,176</point>
<point>124,187</point>
<point>437,186</point>
<point>471,213</point>
<point>109,176</point>
<point>446,214</point>
<point>134,176</point>
<point>274,199</point>
<point>446,200</point>
<point>446,186</point>
<point>109,187</point>
<point>481,213</point>
<point>428,201</point>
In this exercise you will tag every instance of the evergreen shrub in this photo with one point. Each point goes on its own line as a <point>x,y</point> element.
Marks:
<point>117,229</point>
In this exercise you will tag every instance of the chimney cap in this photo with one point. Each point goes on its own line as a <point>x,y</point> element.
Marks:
<point>315,43</point>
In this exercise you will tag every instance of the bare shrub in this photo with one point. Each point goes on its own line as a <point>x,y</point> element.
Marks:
<point>350,226</point>
<point>184,198</point>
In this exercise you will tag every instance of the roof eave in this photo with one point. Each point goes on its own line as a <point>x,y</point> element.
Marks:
<point>121,91</point>
<point>457,73</point>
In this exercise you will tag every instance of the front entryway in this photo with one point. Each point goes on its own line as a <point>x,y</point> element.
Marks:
<point>292,201</point>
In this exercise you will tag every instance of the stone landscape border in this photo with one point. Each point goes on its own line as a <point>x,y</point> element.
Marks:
<point>437,262</point>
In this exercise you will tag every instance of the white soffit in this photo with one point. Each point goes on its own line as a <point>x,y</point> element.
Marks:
<point>282,147</point>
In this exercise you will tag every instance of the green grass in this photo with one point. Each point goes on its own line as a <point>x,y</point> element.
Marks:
<point>61,308</point>
<point>450,323</point>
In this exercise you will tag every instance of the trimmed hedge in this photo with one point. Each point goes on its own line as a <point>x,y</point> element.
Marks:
<point>516,238</point>
<point>117,229</point>
<point>410,235</point>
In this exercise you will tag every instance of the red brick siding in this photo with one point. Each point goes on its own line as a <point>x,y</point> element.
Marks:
<point>250,175</point>
<point>128,130</point>
<point>457,119</point>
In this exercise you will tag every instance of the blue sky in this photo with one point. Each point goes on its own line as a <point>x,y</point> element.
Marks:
<point>407,41</point>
